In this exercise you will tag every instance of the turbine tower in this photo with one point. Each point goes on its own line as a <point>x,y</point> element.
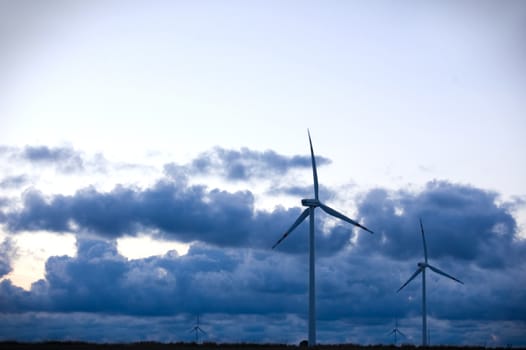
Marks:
<point>311,204</point>
<point>196,329</point>
<point>396,331</point>
<point>422,269</point>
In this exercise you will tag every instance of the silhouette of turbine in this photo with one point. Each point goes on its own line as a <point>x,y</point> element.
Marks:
<point>197,329</point>
<point>311,204</point>
<point>422,269</point>
<point>396,331</point>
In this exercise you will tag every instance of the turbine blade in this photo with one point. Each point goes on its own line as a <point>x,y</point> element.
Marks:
<point>340,216</point>
<point>444,274</point>
<point>200,330</point>
<point>402,334</point>
<point>424,240</point>
<point>314,171</point>
<point>294,225</point>
<point>410,279</point>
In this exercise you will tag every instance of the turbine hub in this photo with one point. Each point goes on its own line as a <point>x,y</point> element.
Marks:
<point>310,202</point>
<point>421,264</point>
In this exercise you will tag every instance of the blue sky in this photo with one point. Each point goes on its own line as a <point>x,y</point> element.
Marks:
<point>152,152</point>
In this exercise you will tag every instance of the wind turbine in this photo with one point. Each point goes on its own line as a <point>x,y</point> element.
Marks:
<point>422,269</point>
<point>197,329</point>
<point>396,331</point>
<point>311,204</point>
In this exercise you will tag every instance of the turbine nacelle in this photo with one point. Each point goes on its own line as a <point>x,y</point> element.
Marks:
<point>310,202</point>
<point>421,264</point>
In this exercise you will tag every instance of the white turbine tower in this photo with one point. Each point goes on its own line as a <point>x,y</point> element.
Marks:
<point>311,204</point>
<point>422,269</point>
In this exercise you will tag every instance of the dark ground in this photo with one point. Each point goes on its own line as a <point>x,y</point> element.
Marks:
<point>8,345</point>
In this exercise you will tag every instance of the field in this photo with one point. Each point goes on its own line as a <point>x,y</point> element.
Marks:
<point>7,345</point>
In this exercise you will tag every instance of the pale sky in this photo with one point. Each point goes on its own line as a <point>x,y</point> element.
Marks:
<point>388,89</point>
<point>396,95</point>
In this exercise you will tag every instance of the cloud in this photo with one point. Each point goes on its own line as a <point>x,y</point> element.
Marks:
<point>4,202</point>
<point>245,164</point>
<point>484,231</point>
<point>230,165</point>
<point>7,254</point>
<point>13,181</point>
<point>65,158</point>
<point>182,213</point>
<point>233,281</point>
<point>209,279</point>
<point>460,221</point>
<point>266,288</point>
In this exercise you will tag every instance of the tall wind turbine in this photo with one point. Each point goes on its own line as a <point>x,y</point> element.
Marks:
<point>311,204</point>
<point>422,269</point>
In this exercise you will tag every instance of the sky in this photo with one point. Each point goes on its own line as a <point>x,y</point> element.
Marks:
<point>151,153</point>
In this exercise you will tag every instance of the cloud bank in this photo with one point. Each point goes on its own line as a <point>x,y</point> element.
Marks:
<point>231,275</point>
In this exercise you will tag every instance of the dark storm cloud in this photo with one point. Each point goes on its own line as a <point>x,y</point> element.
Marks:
<point>246,164</point>
<point>184,213</point>
<point>229,283</point>
<point>460,221</point>
<point>13,181</point>
<point>207,279</point>
<point>7,253</point>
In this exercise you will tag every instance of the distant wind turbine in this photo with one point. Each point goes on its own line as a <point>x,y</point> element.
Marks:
<point>422,269</point>
<point>311,204</point>
<point>196,329</point>
<point>396,331</point>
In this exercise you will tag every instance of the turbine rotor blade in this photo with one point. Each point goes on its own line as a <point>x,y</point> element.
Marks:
<point>314,171</point>
<point>294,225</point>
<point>444,274</point>
<point>199,329</point>
<point>340,216</point>
<point>410,278</point>
<point>424,240</point>
<point>402,334</point>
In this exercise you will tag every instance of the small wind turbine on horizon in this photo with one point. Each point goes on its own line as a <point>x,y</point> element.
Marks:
<point>197,329</point>
<point>312,204</point>
<point>396,331</point>
<point>422,269</point>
